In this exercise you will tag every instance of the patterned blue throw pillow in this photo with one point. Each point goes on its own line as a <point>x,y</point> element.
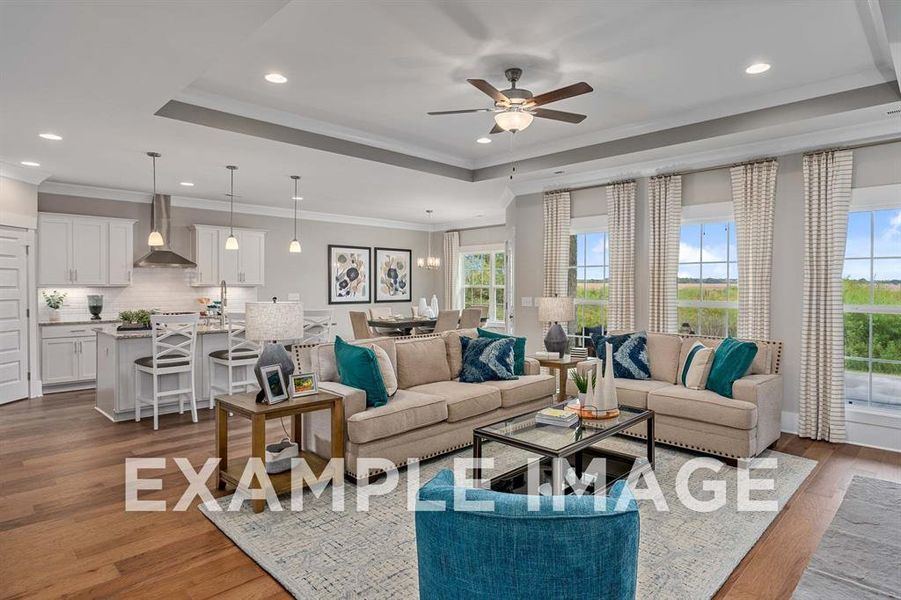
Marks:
<point>487,359</point>
<point>630,355</point>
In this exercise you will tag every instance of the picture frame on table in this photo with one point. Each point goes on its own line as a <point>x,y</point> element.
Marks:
<point>393,274</point>
<point>349,274</point>
<point>304,384</point>
<point>275,388</point>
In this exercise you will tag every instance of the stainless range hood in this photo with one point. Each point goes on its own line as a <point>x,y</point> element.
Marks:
<point>163,256</point>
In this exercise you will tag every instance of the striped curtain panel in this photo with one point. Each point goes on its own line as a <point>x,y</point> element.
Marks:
<point>556,245</point>
<point>621,224</point>
<point>665,220</point>
<point>827,197</point>
<point>754,200</point>
<point>451,270</point>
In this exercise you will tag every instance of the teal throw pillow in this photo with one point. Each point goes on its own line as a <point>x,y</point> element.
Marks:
<point>730,361</point>
<point>486,359</point>
<point>359,368</point>
<point>519,349</point>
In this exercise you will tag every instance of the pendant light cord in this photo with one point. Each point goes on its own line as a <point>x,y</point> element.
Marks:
<point>295,209</point>
<point>231,208</point>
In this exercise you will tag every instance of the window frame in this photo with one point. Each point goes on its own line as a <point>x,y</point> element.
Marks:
<point>593,227</point>
<point>492,250</point>
<point>712,215</point>
<point>871,308</point>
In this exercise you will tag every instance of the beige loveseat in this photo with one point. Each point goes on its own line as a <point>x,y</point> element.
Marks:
<point>432,412</point>
<point>738,427</point>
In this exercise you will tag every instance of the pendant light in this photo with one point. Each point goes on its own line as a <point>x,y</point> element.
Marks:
<point>294,248</point>
<point>155,239</point>
<point>429,262</point>
<point>231,243</point>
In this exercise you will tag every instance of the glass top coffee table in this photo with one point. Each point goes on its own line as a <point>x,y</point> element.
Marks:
<point>563,447</point>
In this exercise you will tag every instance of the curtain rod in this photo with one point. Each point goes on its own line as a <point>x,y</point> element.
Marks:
<point>719,167</point>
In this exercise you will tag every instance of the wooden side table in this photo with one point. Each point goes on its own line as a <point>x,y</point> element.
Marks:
<point>245,405</point>
<point>562,366</point>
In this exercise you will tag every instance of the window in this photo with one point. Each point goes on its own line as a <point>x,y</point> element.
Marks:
<point>587,282</point>
<point>707,300</point>
<point>872,298</point>
<point>483,273</point>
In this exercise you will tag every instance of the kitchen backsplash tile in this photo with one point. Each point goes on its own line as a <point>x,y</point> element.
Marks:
<point>163,289</point>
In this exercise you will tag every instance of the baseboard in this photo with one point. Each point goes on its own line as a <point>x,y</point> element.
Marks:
<point>871,429</point>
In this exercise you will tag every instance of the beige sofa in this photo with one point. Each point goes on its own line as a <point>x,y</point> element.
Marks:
<point>432,412</point>
<point>738,427</point>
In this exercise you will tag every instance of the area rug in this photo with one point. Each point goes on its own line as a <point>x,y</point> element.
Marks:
<point>318,553</point>
<point>859,556</point>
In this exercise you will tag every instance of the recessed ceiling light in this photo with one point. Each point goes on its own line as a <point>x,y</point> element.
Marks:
<point>484,140</point>
<point>31,163</point>
<point>51,136</point>
<point>276,78</point>
<point>296,197</point>
<point>186,184</point>
<point>757,68</point>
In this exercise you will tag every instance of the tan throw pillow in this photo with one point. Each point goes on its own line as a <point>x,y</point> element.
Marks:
<point>695,368</point>
<point>385,368</point>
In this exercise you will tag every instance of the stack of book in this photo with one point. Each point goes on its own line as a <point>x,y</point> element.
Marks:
<point>557,416</point>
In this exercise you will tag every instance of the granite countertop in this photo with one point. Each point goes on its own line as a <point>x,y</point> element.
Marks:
<point>87,321</point>
<point>146,333</point>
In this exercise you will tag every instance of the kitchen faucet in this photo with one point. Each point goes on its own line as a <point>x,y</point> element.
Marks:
<point>223,301</point>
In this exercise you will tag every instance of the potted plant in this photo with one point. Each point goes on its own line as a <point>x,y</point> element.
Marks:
<point>135,319</point>
<point>54,301</point>
<point>581,381</point>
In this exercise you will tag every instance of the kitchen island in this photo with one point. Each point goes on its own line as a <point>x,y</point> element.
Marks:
<point>116,354</point>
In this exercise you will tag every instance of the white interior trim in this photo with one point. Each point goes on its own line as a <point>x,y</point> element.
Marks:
<point>866,427</point>
<point>876,197</point>
<point>88,191</point>
<point>589,224</point>
<point>30,175</point>
<point>476,248</point>
<point>710,212</point>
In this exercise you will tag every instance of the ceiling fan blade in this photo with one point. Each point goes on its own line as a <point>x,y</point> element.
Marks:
<point>558,115</point>
<point>576,89</point>
<point>458,112</point>
<point>489,89</point>
<point>496,129</point>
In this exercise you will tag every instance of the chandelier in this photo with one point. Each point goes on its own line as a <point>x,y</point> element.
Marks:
<point>430,262</point>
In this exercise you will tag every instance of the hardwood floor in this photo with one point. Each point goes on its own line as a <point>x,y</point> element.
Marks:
<point>64,531</point>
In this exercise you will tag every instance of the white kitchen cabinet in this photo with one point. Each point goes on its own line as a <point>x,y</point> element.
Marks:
<point>121,252</point>
<point>59,361</point>
<point>78,250</point>
<point>87,358</point>
<point>243,267</point>
<point>69,353</point>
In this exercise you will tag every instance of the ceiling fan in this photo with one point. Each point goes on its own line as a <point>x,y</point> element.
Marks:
<point>514,108</point>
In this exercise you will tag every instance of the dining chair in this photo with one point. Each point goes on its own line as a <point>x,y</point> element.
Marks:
<point>173,339</point>
<point>317,325</point>
<point>240,353</point>
<point>447,320</point>
<point>471,318</point>
<point>359,321</point>
<point>383,312</point>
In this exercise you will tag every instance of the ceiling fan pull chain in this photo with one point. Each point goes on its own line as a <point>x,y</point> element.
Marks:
<point>512,157</point>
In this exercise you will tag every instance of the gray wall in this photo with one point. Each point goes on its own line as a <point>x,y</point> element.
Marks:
<point>286,273</point>
<point>875,165</point>
<point>18,203</point>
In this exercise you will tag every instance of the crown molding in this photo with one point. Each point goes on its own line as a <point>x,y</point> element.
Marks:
<point>24,174</point>
<point>492,220</point>
<point>119,195</point>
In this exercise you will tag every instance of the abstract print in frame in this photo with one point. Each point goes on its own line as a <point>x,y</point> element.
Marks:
<point>393,276</point>
<point>350,276</point>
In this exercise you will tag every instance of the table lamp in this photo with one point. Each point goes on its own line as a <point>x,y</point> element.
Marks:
<point>267,323</point>
<point>556,309</point>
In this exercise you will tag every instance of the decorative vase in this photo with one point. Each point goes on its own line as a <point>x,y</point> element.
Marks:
<point>423,307</point>
<point>434,306</point>
<point>610,401</point>
<point>54,315</point>
<point>583,398</point>
<point>95,306</point>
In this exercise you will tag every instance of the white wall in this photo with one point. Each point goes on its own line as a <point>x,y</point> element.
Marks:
<point>286,273</point>
<point>875,165</point>
<point>18,203</point>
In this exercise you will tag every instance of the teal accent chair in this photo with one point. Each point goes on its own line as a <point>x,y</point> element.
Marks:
<point>513,553</point>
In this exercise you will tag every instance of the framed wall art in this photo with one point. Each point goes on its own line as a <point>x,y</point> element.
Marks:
<point>393,275</point>
<point>350,275</point>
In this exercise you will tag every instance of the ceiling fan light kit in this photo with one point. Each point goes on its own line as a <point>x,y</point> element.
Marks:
<point>515,108</point>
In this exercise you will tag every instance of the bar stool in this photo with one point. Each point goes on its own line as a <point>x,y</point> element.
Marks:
<point>240,353</point>
<point>173,353</point>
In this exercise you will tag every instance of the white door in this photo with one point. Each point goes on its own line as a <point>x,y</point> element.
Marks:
<point>229,259</point>
<point>87,358</point>
<point>59,361</point>
<point>252,253</point>
<point>206,255</point>
<point>54,250</point>
<point>121,252</point>
<point>90,247</point>
<point>13,316</point>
